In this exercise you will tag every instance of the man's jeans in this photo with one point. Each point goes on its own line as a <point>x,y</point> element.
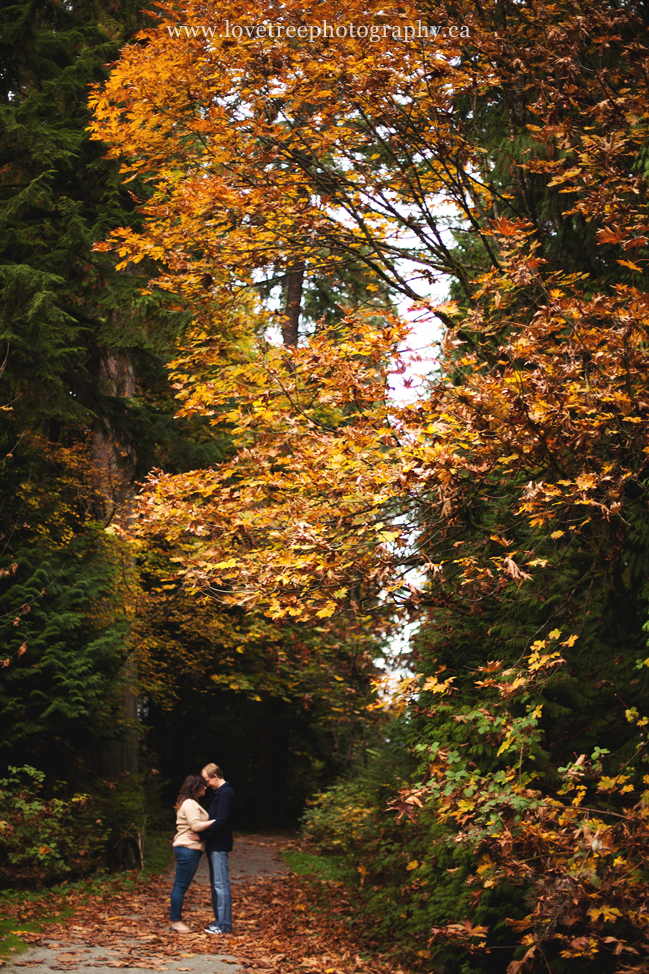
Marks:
<point>186,865</point>
<point>220,885</point>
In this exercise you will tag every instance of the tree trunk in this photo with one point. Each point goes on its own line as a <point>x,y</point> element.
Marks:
<point>122,755</point>
<point>113,481</point>
<point>294,285</point>
<point>113,474</point>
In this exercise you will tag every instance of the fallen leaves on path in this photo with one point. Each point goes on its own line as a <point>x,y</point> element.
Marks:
<point>286,924</point>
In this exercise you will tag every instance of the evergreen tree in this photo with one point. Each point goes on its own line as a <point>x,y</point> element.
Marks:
<point>59,697</point>
<point>84,395</point>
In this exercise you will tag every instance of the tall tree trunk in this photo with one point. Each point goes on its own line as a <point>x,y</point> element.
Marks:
<point>121,755</point>
<point>294,285</point>
<point>113,473</point>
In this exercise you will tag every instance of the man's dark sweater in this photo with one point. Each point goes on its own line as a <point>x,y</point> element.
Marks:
<point>219,834</point>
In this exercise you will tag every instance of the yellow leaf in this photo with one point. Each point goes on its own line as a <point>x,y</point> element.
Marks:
<point>570,641</point>
<point>388,536</point>
<point>586,481</point>
<point>605,912</point>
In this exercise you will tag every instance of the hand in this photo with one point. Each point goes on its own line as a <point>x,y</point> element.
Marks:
<point>195,837</point>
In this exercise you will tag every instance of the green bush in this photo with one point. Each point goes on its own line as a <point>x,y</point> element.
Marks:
<point>340,818</point>
<point>411,876</point>
<point>44,839</point>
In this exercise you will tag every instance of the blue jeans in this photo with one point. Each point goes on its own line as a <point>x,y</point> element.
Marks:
<point>186,865</point>
<point>220,886</point>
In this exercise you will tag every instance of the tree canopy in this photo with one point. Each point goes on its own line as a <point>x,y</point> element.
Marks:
<point>504,506</point>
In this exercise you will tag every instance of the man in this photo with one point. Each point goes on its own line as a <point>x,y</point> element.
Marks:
<point>219,844</point>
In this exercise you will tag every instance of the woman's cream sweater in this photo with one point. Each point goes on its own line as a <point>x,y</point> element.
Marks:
<point>190,817</point>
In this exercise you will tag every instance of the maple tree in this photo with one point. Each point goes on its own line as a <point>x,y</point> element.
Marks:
<point>255,147</point>
<point>512,405</point>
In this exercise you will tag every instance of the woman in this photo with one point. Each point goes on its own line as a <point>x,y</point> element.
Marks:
<point>190,818</point>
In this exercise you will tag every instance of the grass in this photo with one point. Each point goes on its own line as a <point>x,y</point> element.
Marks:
<point>327,868</point>
<point>11,943</point>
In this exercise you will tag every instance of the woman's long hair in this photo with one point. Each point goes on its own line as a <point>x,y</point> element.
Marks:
<point>190,789</point>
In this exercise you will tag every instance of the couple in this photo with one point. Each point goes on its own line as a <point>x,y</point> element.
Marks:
<point>199,831</point>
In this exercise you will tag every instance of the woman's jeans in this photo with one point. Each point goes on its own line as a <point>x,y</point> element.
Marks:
<point>221,896</point>
<point>186,865</point>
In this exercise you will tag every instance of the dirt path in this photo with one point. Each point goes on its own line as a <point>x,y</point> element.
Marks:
<point>132,932</point>
<point>283,924</point>
<point>253,857</point>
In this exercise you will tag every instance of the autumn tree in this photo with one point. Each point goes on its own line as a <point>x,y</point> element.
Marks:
<point>192,129</point>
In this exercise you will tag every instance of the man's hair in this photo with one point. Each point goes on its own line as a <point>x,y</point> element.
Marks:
<point>212,769</point>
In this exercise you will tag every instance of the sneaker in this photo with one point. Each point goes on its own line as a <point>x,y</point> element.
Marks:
<point>213,928</point>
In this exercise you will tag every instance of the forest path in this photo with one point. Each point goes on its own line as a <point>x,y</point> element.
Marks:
<point>131,931</point>
<point>253,857</point>
<point>283,923</point>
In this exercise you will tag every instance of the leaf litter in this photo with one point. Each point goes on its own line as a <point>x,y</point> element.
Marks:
<point>289,924</point>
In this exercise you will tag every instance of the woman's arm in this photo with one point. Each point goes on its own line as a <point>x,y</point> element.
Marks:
<point>199,824</point>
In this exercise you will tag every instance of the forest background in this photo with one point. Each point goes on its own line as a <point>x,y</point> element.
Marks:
<point>200,296</point>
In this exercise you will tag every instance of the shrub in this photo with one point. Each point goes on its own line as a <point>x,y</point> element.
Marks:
<point>44,840</point>
<point>340,818</point>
